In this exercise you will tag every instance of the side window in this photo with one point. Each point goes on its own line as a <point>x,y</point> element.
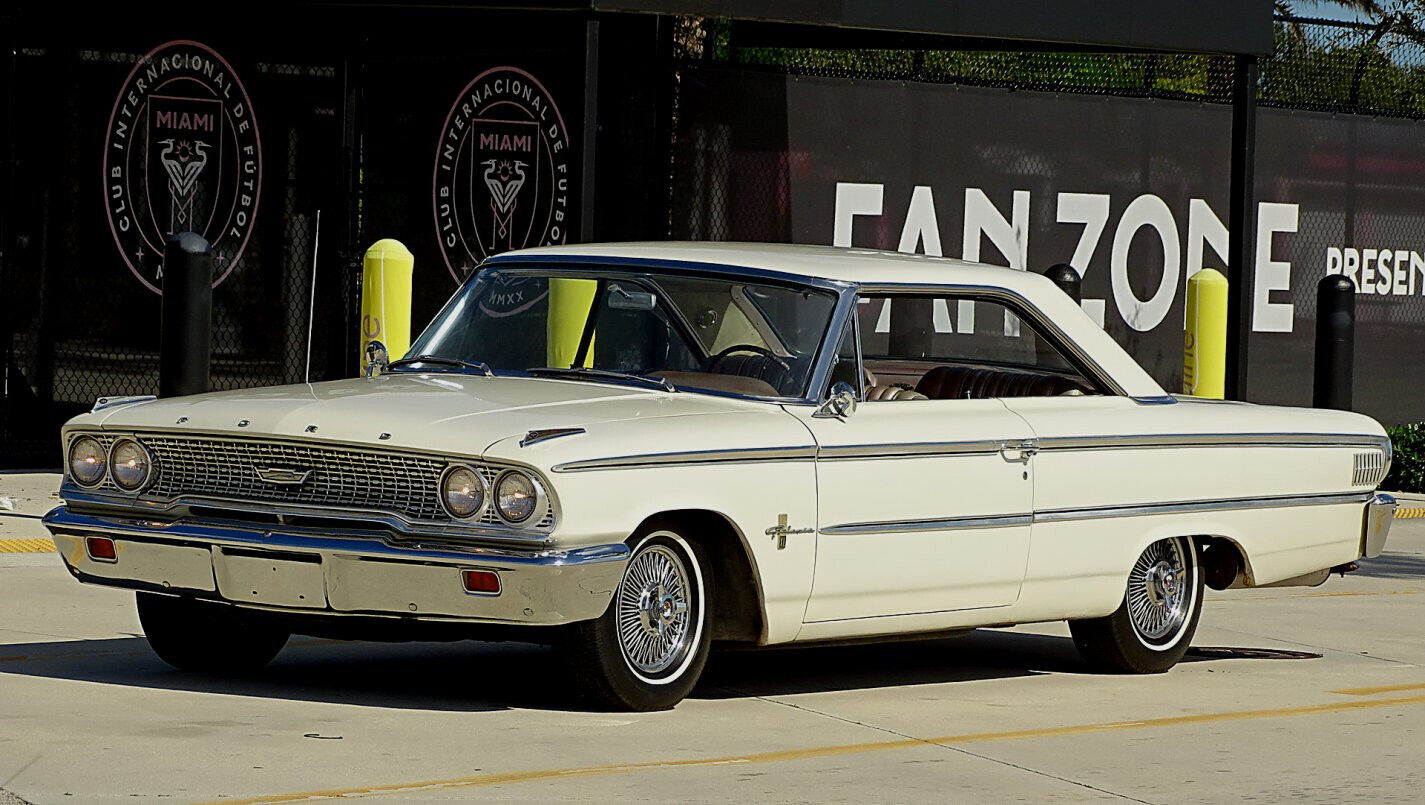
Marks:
<point>948,347</point>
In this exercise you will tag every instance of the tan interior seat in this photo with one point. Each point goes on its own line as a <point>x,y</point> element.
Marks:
<point>877,392</point>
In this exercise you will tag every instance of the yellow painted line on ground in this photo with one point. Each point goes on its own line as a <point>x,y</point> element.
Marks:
<point>487,780</point>
<point>1409,514</point>
<point>1379,689</point>
<point>26,545</point>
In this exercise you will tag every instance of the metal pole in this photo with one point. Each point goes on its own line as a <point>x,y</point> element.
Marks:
<point>1067,278</point>
<point>1335,342</point>
<point>1241,225</point>
<point>186,341</point>
<point>591,128</point>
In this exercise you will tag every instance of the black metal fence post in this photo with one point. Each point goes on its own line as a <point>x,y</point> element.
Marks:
<point>1335,342</point>
<point>1067,278</point>
<point>186,340</point>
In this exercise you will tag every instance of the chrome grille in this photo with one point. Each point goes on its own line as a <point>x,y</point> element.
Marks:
<point>406,485</point>
<point>1368,468</point>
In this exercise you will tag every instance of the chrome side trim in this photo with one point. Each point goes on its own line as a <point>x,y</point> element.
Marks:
<point>911,450</point>
<point>1213,440</point>
<point>536,436</point>
<point>912,526</point>
<point>1192,506</point>
<point>1161,399</point>
<point>742,456</point>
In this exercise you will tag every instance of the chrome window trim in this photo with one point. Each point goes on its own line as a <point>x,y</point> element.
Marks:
<point>1025,308</point>
<point>604,265</point>
<point>691,457</point>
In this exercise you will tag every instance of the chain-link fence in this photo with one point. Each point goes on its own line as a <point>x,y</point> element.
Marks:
<point>80,315</point>
<point>1118,160</point>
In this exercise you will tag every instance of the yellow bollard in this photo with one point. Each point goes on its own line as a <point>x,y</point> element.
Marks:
<point>569,303</point>
<point>386,298</point>
<point>1205,343</point>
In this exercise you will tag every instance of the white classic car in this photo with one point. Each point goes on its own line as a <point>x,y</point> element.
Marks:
<point>634,450</point>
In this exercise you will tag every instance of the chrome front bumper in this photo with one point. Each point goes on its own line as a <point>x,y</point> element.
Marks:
<point>1380,513</point>
<point>325,573</point>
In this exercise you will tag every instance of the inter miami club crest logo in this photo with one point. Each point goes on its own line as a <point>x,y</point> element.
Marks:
<point>181,154</point>
<point>501,170</point>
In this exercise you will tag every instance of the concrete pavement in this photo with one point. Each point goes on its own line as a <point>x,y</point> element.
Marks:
<point>1315,694</point>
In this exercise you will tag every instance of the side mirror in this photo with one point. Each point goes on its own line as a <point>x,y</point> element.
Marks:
<point>840,404</point>
<point>377,359</point>
<point>621,298</point>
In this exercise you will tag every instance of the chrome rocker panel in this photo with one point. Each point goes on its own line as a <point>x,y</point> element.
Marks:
<point>334,573</point>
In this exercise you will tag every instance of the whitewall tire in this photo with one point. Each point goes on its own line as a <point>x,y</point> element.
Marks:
<point>1153,626</point>
<point>649,647</point>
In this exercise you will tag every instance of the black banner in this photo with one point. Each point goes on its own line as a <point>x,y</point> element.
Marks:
<point>1131,192</point>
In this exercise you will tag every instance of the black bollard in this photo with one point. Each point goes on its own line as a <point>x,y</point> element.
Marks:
<point>1335,342</point>
<point>186,335</point>
<point>1068,280</point>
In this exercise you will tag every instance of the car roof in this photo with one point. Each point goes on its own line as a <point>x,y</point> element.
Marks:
<point>841,264</point>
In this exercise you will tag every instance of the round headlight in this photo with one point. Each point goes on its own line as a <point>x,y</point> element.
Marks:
<point>463,492</point>
<point>515,496</point>
<point>130,465</point>
<point>86,461</point>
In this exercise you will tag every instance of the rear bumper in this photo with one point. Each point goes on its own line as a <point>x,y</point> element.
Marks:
<point>1380,513</point>
<point>306,572</point>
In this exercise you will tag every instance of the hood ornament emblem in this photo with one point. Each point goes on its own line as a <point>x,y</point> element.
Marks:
<point>282,476</point>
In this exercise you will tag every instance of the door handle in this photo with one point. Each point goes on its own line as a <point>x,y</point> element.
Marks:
<point>1019,451</point>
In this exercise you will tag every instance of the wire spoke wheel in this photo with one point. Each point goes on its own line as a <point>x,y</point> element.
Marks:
<point>1158,591</point>
<point>654,611</point>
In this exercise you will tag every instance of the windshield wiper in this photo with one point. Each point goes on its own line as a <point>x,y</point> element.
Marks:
<point>601,374</point>
<point>479,366</point>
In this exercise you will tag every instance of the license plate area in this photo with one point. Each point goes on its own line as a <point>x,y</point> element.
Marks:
<point>276,579</point>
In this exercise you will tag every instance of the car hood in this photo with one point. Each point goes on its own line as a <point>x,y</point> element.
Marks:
<point>442,413</point>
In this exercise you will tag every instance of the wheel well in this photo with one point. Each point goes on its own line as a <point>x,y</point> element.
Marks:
<point>735,591</point>
<point>1224,561</point>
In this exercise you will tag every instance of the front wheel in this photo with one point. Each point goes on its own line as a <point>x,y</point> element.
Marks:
<point>207,637</point>
<point>649,647</point>
<point>1151,630</point>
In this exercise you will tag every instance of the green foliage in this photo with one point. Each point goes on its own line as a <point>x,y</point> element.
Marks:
<point>1407,470</point>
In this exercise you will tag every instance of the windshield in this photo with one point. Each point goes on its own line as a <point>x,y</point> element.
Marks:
<point>718,334</point>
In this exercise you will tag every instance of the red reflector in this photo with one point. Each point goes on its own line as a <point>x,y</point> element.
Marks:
<point>480,581</point>
<point>102,549</point>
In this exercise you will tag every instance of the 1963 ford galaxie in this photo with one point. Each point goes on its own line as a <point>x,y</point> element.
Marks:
<point>634,450</point>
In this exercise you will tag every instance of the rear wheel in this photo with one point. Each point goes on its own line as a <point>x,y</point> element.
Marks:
<point>1153,627</point>
<point>202,636</point>
<point>648,649</point>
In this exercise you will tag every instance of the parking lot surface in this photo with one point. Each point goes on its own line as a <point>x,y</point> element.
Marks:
<point>1289,694</point>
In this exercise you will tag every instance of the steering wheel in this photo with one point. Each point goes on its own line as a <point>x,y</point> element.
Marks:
<point>754,349</point>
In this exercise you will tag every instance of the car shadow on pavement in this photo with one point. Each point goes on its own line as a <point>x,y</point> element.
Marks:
<point>454,677</point>
<point>1393,566</point>
<point>983,654</point>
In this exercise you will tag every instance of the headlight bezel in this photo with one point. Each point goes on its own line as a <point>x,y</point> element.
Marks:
<point>103,456</point>
<point>485,492</point>
<point>149,474</point>
<point>537,499</point>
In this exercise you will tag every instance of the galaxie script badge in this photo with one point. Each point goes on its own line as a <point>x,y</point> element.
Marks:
<point>502,173</point>
<point>181,154</point>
